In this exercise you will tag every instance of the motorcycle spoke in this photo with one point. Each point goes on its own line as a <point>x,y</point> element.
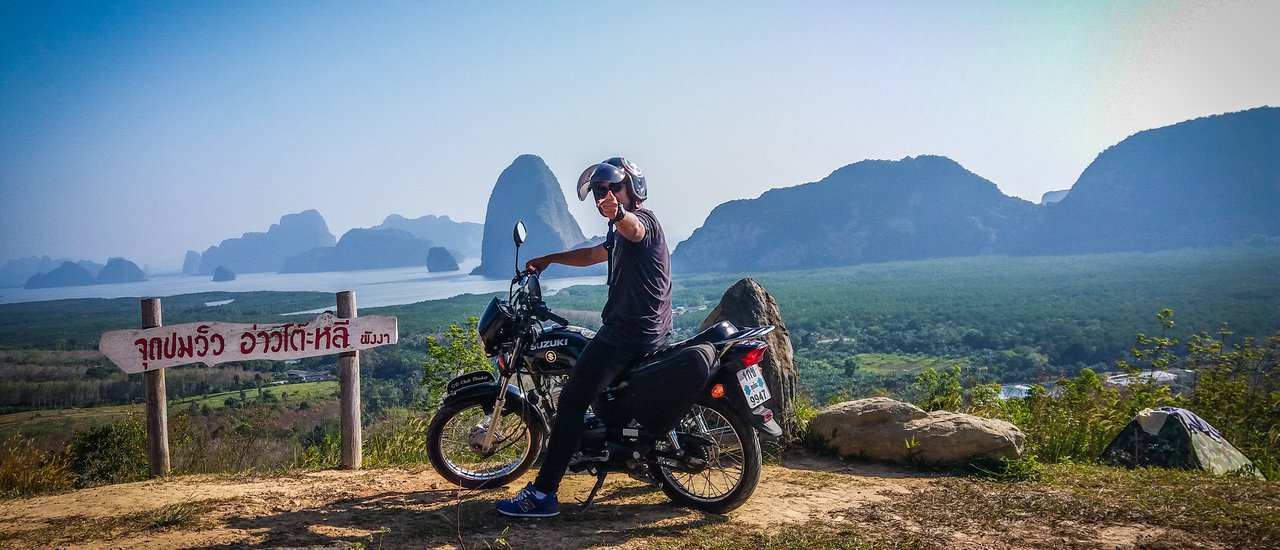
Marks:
<point>725,466</point>
<point>509,447</point>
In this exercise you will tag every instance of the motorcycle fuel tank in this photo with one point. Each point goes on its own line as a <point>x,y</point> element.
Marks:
<point>557,349</point>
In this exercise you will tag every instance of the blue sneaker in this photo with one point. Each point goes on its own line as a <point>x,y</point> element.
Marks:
<point>528,505</point>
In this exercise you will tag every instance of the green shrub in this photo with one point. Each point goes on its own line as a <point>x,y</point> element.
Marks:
<point>115,453</point>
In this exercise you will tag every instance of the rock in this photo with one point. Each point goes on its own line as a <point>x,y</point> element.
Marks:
<point>68,274</point>
<point>747,304</point>
<point>882,429</point>
<point>439,259</point>
<point>222,274</point>
<point>120,270</point>
<point>527,191</point>
<point>191,263</point>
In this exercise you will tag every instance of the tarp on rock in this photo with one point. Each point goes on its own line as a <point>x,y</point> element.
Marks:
<point>1170,437</point>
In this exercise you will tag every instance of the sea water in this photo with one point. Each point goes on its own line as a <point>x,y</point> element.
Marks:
<point>373,287</point>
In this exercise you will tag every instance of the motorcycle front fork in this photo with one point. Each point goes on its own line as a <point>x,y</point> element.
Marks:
<point>495,418</point>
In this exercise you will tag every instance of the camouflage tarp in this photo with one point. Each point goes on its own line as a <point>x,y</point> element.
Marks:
<point>1169,437</point>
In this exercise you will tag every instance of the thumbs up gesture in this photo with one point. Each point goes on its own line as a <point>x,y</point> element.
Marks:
<point>608,206</point>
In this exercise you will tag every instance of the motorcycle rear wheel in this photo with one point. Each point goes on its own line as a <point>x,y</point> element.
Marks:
<point>454,444</point>
<point>734,462</point>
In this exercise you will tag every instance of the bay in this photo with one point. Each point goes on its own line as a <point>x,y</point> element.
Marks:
<point>373,287</point>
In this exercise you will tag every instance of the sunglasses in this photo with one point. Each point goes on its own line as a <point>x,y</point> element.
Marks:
<point>602,189</point>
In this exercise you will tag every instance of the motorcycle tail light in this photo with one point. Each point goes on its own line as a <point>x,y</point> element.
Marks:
<point>754,356</point>
<point>717,391</point>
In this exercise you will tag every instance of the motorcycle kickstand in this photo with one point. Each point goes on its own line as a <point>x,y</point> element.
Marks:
<point>592,496</point>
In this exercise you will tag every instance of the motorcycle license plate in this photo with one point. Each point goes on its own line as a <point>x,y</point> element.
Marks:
<point>753,386</point>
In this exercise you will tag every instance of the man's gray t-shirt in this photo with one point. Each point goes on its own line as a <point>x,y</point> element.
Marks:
<point>638,311</point>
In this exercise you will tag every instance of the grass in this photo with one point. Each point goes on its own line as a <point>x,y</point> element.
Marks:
<point>303,391</point>
<point>889,363</point>
<point>1073,506</point>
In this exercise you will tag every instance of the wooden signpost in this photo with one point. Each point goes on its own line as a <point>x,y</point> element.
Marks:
<point>154,347</point>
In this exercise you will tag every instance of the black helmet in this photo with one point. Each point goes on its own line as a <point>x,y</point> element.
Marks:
<point>613,172</point>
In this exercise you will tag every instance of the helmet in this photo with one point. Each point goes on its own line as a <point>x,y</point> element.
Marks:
<point>613,172</point>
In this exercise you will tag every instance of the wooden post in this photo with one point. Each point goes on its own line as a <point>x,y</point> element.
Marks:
<point>349,391</point>
<point>157,406</point>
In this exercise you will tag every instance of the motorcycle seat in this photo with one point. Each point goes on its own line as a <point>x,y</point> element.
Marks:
<point>715,333</point>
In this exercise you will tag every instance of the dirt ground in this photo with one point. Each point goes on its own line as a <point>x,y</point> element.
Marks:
<point>403,508</point>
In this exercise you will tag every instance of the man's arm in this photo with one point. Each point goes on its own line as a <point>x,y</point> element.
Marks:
<point>578,257</point>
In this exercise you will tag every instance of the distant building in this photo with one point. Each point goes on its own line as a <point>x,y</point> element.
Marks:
<point>1165,377</point>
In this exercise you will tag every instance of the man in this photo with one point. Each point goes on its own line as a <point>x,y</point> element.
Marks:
<point>636,317</point>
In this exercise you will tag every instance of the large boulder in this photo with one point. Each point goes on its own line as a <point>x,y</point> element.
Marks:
<point>885,430</point>
<point>747,304</point>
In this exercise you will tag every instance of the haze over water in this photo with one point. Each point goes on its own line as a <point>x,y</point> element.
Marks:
<point>373,287</point>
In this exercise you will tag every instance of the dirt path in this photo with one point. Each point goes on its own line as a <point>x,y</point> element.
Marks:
<point>415,508</point>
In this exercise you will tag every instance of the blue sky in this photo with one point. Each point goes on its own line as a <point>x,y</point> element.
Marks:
<point>144,129</point>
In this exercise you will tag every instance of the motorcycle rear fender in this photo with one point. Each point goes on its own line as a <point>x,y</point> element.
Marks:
<point>733,393</point>
<point>488,394</point>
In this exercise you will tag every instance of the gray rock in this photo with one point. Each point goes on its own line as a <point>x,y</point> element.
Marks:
<point>191,263</point>
<point>439,259</point>
<point>747,304</point>
<point>885,430</point>
<point>222,274</point>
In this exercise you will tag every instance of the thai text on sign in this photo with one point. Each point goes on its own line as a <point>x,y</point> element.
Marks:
<point>140,350</point>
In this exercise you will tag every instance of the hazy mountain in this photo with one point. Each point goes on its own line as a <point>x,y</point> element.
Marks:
<point>870,211</point>
<point>120,270</point>
<point>68,274</point>
<point>464,237</point>
<point>363,249</point>
<point>258,252</point>
<point>1054,196</point>
<point>1211,180</point>
<point>528,191</point>
<point>16,272</point>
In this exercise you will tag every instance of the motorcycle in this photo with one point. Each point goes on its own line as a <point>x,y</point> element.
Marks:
<point>684,418</point>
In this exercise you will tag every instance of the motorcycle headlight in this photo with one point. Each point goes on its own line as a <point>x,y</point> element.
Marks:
<point>495,326</point>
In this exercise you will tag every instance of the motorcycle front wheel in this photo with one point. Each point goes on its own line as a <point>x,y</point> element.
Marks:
<point>455,443</point>
<point>731,450</point>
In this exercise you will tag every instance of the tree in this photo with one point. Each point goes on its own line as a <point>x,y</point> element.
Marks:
<point>456,351</point>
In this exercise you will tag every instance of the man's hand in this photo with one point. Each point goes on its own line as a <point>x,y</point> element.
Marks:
<point>608,206</point>
<point>539,264</point>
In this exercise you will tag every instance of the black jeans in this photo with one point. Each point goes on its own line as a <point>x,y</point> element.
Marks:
<point>599,364</point>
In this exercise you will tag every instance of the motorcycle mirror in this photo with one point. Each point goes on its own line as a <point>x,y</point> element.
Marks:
<point>519,234</point>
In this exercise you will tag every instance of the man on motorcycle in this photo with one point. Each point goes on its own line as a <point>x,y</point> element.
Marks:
<point>636,316</point>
